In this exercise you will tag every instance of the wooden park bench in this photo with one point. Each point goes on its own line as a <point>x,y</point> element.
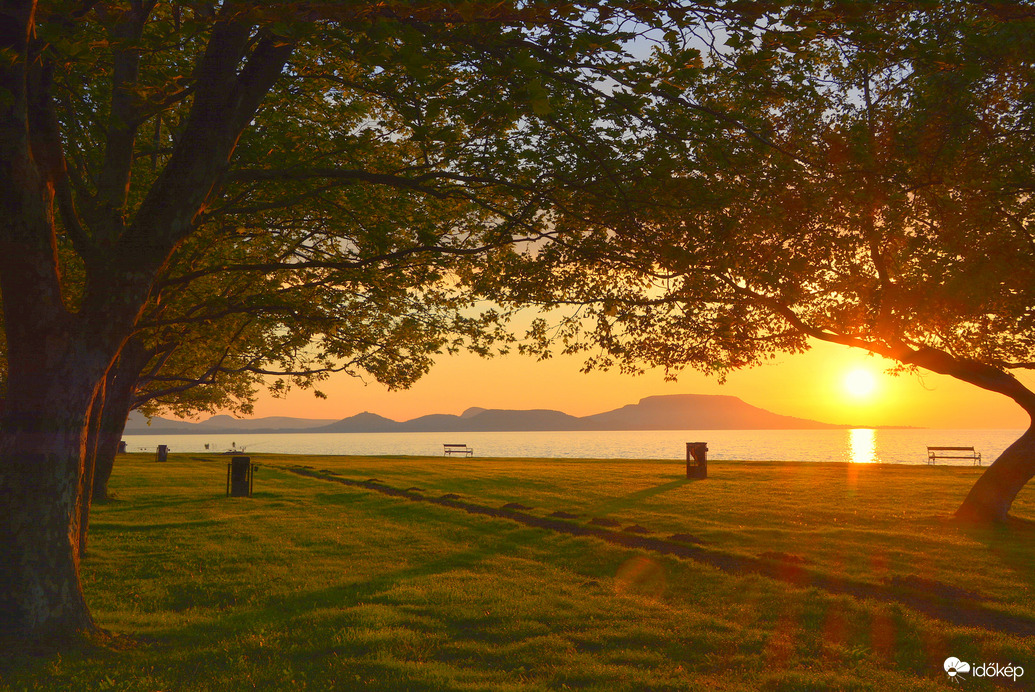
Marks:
<point>449,450</point>
<point>935,453</point>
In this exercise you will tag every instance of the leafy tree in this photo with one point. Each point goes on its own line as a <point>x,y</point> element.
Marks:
<point>349,149</point>
<point>317,177</point>
<point>212,346</point>
<point>867,182</point>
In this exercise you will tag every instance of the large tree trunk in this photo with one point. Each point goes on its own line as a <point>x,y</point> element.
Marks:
<point>89,463</point>
<point>990,498</point>
<point>57,362</point>
<point>118,399</point>
<point>53,372</point>
<point>112,424</point>
<point>42,453</point>
<point>994,492</point>
<point>57,359</point>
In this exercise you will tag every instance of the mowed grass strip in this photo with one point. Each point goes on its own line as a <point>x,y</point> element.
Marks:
<point>315,585</point>
<point>879,523</point>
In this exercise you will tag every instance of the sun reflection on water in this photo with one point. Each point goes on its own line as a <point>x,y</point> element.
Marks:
<point>862,446</point>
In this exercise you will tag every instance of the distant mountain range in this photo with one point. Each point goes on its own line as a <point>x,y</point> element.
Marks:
<point>672,412</point>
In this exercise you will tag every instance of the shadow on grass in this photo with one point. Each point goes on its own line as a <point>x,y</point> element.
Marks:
<point>315,621</point>
<point>1011,542</point>
<point>489,545</point>
<point>133,504</point>
<point>931,604</point>
<point>638,497</point>
<point>335,499</point>
<point>102,527</point>
<point>268,641</point>
<point>97,642</point>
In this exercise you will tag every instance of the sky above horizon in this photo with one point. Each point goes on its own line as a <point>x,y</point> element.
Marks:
<point>829,383</point>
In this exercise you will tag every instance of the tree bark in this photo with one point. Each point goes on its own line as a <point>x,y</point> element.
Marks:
<point>52,379</point>
<point>994,492</point>
<point>112,424</point>
<point>990,498</point>
<point>89,464</point>
<point>42,453</point>
<point>58,360</point>
<point>119,389</point>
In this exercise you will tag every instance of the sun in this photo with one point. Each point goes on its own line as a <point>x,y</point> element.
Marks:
<point>860,383</point>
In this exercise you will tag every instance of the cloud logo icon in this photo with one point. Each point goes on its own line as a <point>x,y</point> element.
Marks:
<point>954,666</point>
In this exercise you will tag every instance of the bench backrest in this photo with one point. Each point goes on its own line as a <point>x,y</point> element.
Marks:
<point>950,449</point>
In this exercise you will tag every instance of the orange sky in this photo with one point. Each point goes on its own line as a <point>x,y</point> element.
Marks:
<point>809,386</point>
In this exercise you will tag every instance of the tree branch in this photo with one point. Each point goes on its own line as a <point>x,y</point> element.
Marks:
<point>225,101</point>
<point>124,119</point>
<point>969,370</point>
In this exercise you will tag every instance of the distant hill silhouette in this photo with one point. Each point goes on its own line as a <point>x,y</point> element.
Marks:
<point>361,422</point>
<point>671,412</point>
<point>137,424</point>
<point>268,423</point>
<point>696,412</point>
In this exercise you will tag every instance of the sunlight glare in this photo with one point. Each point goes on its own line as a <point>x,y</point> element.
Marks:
<point>860,383</point>
<point>862,446</point>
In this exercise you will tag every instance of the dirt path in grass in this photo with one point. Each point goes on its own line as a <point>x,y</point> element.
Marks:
<point>934,599</point>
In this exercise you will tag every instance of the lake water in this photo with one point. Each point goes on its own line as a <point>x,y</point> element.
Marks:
<point>860,445</point>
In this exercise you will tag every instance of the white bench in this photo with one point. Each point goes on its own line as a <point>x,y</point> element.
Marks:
<point>935,453</point>
<point>449,450</point>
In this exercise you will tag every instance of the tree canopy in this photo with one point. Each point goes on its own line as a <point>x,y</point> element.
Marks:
<point>867,181</point>
<point>310,177</point>
<point>236,187</point>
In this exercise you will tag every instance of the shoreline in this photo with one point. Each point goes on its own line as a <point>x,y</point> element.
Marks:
<point>211,456</point>
<point>899,446</point>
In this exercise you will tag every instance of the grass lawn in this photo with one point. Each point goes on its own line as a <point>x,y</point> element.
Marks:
<point>788,576</point>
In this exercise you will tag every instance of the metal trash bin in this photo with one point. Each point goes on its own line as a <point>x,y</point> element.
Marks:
<point>239,477</point>
<point>162,454</point>
<point>696,459</point>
